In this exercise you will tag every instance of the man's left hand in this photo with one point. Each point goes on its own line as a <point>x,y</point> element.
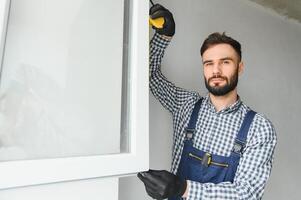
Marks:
<point>161,184</point>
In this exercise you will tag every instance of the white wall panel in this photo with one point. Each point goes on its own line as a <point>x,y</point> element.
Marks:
<point>94,189</point>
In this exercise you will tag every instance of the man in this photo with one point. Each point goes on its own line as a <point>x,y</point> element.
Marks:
<point>222,149</point>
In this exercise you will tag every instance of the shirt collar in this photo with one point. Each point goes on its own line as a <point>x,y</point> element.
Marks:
<point>231,108</point>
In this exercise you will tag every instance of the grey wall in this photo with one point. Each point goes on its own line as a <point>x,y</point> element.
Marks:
<point>270,84</point>
<point>289,8</point>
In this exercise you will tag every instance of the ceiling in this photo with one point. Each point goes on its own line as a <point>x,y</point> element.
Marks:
<point>288,8</point>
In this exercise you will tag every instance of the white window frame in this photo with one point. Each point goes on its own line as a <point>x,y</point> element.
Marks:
<point>42,171</point>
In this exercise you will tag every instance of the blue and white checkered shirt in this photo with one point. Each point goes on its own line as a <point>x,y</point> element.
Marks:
<point>215,133</point>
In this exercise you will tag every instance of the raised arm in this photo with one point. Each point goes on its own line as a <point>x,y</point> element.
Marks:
<point>170,96</point>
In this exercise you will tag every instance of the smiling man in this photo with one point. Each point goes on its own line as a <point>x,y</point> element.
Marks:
<point>222,149</point>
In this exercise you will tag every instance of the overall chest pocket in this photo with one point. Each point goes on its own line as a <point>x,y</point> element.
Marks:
<point>211,171</point>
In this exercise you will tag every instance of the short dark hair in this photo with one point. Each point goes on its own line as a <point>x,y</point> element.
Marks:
<point>218,38</point>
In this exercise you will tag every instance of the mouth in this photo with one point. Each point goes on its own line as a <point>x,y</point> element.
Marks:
<point>216,81</point>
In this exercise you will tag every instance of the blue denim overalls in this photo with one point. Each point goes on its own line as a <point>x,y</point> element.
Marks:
<point>203,167</point>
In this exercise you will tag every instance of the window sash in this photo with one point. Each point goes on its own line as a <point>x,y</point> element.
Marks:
<point>42,171</point>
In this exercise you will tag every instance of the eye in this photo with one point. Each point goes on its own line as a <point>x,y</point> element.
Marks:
<point>226,62</point>
<point>208,64</point>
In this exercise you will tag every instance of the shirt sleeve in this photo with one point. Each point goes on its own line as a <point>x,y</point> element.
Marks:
<point>169,95</point>
<point>253,170</point>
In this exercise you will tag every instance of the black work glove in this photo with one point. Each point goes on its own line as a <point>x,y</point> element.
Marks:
<point>161,184</point>
<point>169,26</point>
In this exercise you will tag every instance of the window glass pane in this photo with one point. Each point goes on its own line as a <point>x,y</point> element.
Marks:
<point>64,79</point>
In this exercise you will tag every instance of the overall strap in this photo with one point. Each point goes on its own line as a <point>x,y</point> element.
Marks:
<point>193,119</point>
<point>241,138</point>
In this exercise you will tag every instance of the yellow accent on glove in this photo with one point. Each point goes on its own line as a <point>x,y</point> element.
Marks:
<point>158,22</point>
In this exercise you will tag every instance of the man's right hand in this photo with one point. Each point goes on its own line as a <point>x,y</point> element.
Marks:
<point>169,26</point>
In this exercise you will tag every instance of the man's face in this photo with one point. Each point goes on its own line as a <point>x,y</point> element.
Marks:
<point>221,69</point>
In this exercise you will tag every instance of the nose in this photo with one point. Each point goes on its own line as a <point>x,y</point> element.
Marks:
<point>216,68</point>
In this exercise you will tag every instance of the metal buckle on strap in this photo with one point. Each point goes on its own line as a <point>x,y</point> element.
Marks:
<point>206,159</point>
<point>238,147</point>
<point>189,134</point>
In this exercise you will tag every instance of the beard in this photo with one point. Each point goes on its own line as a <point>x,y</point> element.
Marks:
<point>231,84</point>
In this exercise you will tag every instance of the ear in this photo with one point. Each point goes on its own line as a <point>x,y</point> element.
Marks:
<point>241,67</point>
